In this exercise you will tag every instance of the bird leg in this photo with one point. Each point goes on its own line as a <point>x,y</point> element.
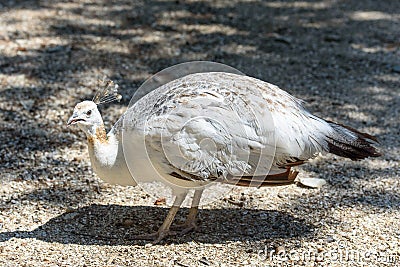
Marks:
<point>164,229</point>
<point>190,223</point>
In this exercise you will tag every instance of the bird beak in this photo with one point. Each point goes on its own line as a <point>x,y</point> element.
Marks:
<point>74,119</point>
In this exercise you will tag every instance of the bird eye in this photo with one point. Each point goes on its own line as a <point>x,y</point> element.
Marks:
<point>89,112</point>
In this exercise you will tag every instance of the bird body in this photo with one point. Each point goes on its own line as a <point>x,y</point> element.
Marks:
<point>213,127</point>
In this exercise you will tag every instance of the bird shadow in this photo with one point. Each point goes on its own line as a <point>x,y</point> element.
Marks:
<point>116,225</point>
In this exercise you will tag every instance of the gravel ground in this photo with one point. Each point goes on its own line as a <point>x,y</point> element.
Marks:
<point>342,57</point>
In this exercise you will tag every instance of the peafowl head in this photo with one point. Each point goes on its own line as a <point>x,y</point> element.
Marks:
<point>86,114</point>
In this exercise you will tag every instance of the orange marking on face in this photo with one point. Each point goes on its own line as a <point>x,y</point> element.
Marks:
<point>100,136</point>
<point>90,140</point>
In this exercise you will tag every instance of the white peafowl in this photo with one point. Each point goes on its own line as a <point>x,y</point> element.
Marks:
<point>211,127</point>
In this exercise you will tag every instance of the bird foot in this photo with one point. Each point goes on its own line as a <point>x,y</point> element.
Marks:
<point>155,237</point>
<point>184,228</point>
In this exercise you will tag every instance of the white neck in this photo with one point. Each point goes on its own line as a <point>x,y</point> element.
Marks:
<point>107,157</point>
<point>103,149</point>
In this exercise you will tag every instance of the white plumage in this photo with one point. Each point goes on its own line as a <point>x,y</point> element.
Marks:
<point>212,127</point>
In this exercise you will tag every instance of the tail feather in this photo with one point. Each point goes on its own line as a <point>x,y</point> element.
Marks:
<point>347,142</point>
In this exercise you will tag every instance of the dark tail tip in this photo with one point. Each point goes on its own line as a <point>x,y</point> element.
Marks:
<point>350,143</point>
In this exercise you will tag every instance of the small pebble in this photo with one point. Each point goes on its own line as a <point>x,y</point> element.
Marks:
<point>204,261</point>
<point>396,68</point>
<point>69,210</point>
<point>330,239</point>
<point>280,249</point>
<point>127,222</point>
<point>160,201</point>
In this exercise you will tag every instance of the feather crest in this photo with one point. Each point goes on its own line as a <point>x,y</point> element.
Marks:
<point>108,92</point>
